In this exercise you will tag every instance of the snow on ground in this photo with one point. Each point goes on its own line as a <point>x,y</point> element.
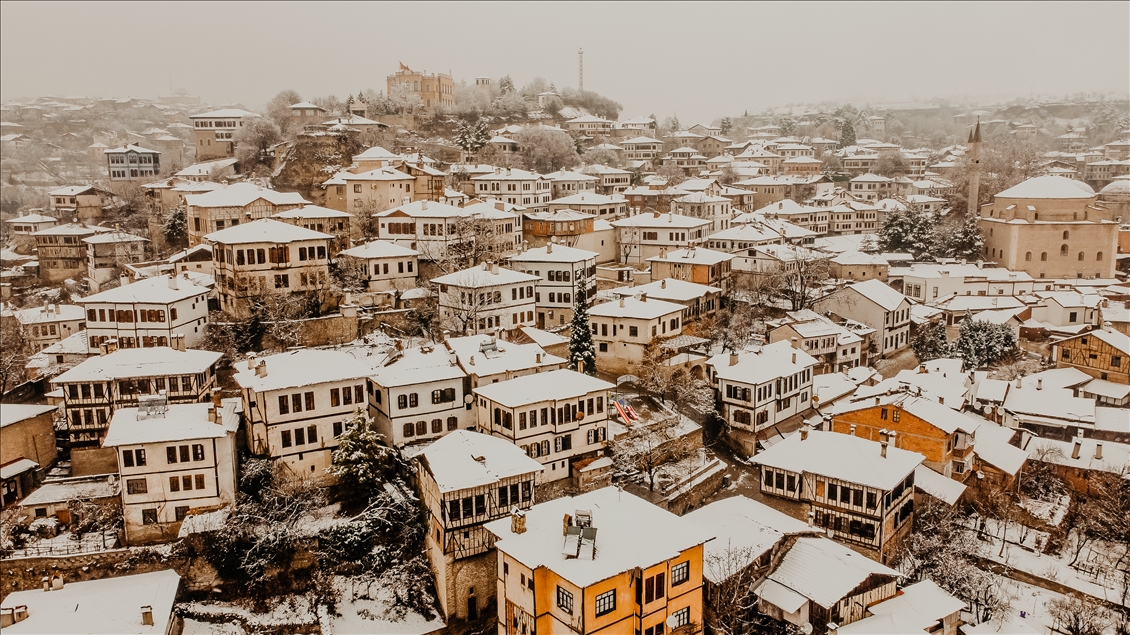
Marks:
<point>66,543</point>
<point>1051,512</point>
<point>362,609</point>
<point>290,610</point>
<point>319,519</point>
<point>1032,601</point>
<point>1048,566</point>
<point>193,627</point>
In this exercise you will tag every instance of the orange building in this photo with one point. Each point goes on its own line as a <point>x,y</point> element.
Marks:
<point>1103,354</point>
<point>605,563</point>
<point>937,432</point>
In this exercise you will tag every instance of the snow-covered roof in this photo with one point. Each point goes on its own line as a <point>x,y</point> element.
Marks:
<point>126,363</point>
<point>858,258</point>
<point>312,211</point>
<point>930,270</point>
<point>938,485</point>
<point>15,412</point>
<point>1113,457</point>
<point>555,385</point>
<point>620,518</point>
<point>380,249</point>
<point>635,308</point>
<point>508,174</point>
<point>156,290</point>
<point>264,230</point>
<point>693,256</point>
<point>180,422</point>
<point>668,289</point>
<point>483,356</point>
<point>207,168</point>
<point>841,456</point>
<point>465,459</point>
<point>71,229</point>
<point>543,338</point>
<point>243,194</point>
<point>479,277</point>
<point>418,365</point>
<point>569,176</point>
<point>1116,339</point>
<point>821,570</point>
<point>303,367</point>
<point>758,364</point>
<point>32,218</point>
<point>110,606</point>
<point>72,190</point>
<point>426,209</point>
<point>673,221</point>
<point>52,313</point>
<point>556,253</point>
<point>586,198</point>
<point>14,468</point>
<point>68,489</point>
<point>915,609</point>
<point>879,293</point>
<point>991,445</point>
<point>1050,187</point>
<point>741,526</point>
<point>112,237</point>
<point>1110,389</point>
<point>224,113</point>
<point>746,232</point>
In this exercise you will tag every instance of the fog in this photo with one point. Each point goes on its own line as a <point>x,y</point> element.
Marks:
<point>698,60</point>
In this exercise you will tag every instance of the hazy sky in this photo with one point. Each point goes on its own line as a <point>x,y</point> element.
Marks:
<point>698,59</point>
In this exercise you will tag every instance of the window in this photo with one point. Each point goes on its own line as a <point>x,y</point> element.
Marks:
<point>174,484</point>
<point>127,458</point>
<point>452,423</point>
<point>149,516</point>
<point>171,454</point>
<point>284,405</point>
<point>633,331</point>
<point>286,443</point>
<point>139,457</point>
<point>680,573</point>
<point>309,398</point>
<point>137,486</point>
<point>199,481</point>
<point>564,600</point>
<point>197,452</point>
<point>402,401</point>
<point>335,397</point>
<point>409,430</point>
<point>682,617</point>
<point>413,400</point>
<point>605,602</point>
<point>654,588</point>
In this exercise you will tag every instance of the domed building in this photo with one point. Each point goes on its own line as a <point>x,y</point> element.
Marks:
<point>1115,197</point>
<point>1050,227</point>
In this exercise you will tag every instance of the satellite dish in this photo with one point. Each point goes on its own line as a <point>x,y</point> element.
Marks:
<point>806,628</point>
<point>671,623</point>
<point>468,399</point>
<point>987,409</point>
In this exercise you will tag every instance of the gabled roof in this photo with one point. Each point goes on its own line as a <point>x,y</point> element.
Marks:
<point>312,211</point>
<point>303,367</point>
<point>744,527</point>
<point>879,293</point>
<point>156,290</point>
<point>823,571</point>
<point>558,253</point>
<point>586,198</point>
<point>693,256</point>
<point>466,459</point>
<point>242,194</point>
<point>634,308</point>
<point>1118,340</point>
<point>478,277</point>
<point>380,249</point>
<point>224,113</point>
<point>669,289</point>
<point>426,209</point>
<point>264,230</point>
<point>555,385</point>
<point>180,422</point>
<point>841,456</point>
<point>139,362</point>
<point>669,220</point>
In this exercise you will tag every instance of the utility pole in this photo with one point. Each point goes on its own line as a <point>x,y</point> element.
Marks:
<point>581,70</point>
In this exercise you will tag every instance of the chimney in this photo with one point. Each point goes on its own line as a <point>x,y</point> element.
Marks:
<point>57,582</point>
<point>251,361</point>
<point>566,522</point>
<point>803,433</point>
<point>537,358</point>
<point>123,280</point>
<point>734,359</point>
<point>893,436</point>
<point>173,282</point>
<point>662,252</point>
<point>1019,384</point>
<point>663,283</point>
<point>793,340</point>
<point>581,366</point>
<point>1075,449</point>
<point>1039,383</point>
<point>211,414</point>
<point>261,368</point>
<point>147,615</point>
<point>852,429</point>
<point>58,309</point>
<point>111,345</point>
<point>486,266</point>
<point>621,302</point>
<point>643,297</point>
<point>424,204</point>
<point>1098,451</point>
<point>216,400</point>
<point>517,521</point>
<point>46,583</point>
<point>494,268</point>
<point>549,247</point>
<point>811,519</point>
<point>655,214</point>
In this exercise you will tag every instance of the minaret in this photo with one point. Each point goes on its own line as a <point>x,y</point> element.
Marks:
<point>973,146</point>
<point>581,70</point>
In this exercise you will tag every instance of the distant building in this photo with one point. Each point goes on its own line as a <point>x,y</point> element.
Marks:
<point>434,90</point>
<point>172,459</point>
<point>237,203</point>
<point>214,132</point>
<point>485,298</point>
<point>149,313</point>
<point>132,163</point>
<point>878,306</point>
<point>108,254</point>
<point>61,251</point>
<point>84,202</point>
<point>626,331</point>
<point>385,266</point>
<point>560,270</point>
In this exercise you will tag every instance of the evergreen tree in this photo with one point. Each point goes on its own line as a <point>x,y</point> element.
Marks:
<point>966,240</point>
<point>505,85</point>
<point>930,342</point>
<point>726,125</point>
<point>472,136</point>
<point>362,461</point>
<point>895,231</point>
<point>581,347</point>
<point>847,133</point>
<point>982,343</point>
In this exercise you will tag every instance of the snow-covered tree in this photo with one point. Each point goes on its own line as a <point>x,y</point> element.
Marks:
<point>472,136</point>
<point>964,240</point>
<point>362,461</point>
<point>726,125</point>
<point>581,347</point>
<point>930,342</point>
<point>505,85</point>
<point>646,449</point>
<point>847,133</point>
<point>982,343</point>
<point>1079,615</point>
<point>175,227</point>
<point>545,150</point>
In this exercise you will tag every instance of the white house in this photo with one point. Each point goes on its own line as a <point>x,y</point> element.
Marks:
<point>643,236</point>
<point>420,394</point>
<point>877,305</point>
<point>172,459</point>
<point>234,204</point>
<point>49,324</point>
<point>481,299</point>
<point>385,265</point>
<point>149,312</point>
<point>623,330</point>
<point>528,189</point>
<point>929,282</point>
<point>556,417</point>
<point>296,405</point>
<point>560,270</point>
<point>760,387</point>
<point>489,360</point>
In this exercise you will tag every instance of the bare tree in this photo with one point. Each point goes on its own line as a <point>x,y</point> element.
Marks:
<point>1079,615</point>
<point>801,281</point>
<point>648,448</point>
<point>545,150</point>
<point>1040,479</point>
<point>732,608</point>
<point>15,350</point>
<point>278,109</point>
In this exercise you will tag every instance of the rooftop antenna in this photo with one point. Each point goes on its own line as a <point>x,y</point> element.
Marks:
<point>581,70</point>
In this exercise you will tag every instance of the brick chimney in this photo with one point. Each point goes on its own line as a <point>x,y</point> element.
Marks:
<point>147,615</point>
<point>517,521</point>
